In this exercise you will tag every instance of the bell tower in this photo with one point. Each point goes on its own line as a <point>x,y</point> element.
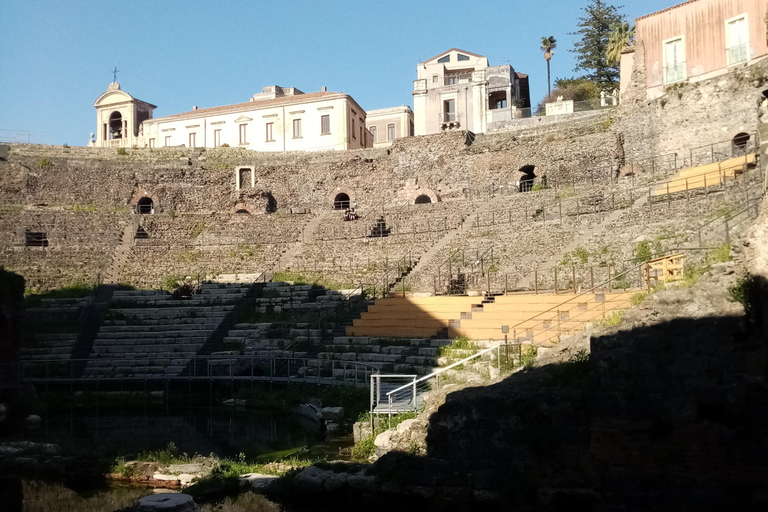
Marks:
<point>118,118</point>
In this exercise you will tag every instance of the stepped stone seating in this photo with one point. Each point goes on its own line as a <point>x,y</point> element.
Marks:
<point>538,318</point>
<point>64,314</point>
<point>149,333</point>
<point>350,262</point>
<point>415,356</point>
<point>708,175</point>
<point>148,266</point>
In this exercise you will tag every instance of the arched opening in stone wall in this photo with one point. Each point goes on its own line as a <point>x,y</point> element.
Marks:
<point>525,183</point>
<point>35,239</point>
<point>243,211</point>
<point>115,125</point>
<point>739,142</point>
<point>423,199</point>
<point>145,206</point>
<point>341,201</point>
<point>271,204</point>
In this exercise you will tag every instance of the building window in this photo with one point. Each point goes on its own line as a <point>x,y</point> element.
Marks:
<point>151,143</point>
<point>736,40</point>
<point>216,138</point>
<point>325,125</point>
<point>451,80</point>
<point>243,138</point>
<point>374,135</point>
<point>269,136</point>
<point>449,111</point>
<point>443,60</point>
<point>674,60</point>
<point>391,131</point>
<point>461,57</point>
<point>353,129</point>
<point>192,139</point>
<point>362,140</point>
<point>167,140</point>
<point>435,79</point>
<point>411,132</point>
<point>297,128</point>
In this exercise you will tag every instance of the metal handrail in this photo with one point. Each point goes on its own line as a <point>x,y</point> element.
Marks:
<point>443,370</point>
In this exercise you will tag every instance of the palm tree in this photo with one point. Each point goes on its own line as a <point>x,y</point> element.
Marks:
<point>548,45</point>
<point>621,37</point>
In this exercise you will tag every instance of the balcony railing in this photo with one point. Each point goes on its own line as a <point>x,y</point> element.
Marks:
<point>457,79</point>
<point>449,117</point>
<point>736,54</point>
<point>674,72</point>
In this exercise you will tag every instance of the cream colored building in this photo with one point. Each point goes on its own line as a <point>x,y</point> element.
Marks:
<point>696,40</point>
<point>459,90</point>
<point>119,117</point>
<point>277,119</point>
<point>388,124</point>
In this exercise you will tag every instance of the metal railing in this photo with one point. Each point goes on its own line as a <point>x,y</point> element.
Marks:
<point>449,117</point>
<point>410,396</point>
<point>674,72</point>
<point>737,53</point>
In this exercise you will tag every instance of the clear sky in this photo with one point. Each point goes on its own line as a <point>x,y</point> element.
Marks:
<point>56,56</point>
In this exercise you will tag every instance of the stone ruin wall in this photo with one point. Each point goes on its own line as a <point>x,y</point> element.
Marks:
<point>193,187</point>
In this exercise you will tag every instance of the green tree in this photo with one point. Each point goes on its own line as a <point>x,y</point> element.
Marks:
<point>548,45</point>
<point>621,36</point>
<point>594,31</point>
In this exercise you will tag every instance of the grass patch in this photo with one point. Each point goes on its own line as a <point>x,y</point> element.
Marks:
<point>313,279</point>
<point>528,357</point>
<point>458,347</point>
<point>74,290</point>
<point>44,162</point>
<point>746,291</point>
<point>612,319</point>
<point>637,299</point>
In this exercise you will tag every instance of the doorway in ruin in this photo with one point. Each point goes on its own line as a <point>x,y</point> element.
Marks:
<point>145,206</point>
<point>271,204</point>
<point>525,181</point>
<point>423,199</point>
<point>341,201</point>
<point>739,143</point>
<point>115,125</point>
<point>243,211</point>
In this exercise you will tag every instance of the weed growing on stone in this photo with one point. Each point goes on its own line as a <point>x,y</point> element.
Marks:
<point>459,347</point>
<point>637,299</point>
<point>74,290</point>
<point>122,152</point>
<point>746,291</point>
<point>612,319</point>
<point>528,357</point>
<point>44,162</point>
<point>721,254</point>
<point>315,279</point>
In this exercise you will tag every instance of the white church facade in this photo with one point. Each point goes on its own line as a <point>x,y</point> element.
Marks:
<point>275,120</point>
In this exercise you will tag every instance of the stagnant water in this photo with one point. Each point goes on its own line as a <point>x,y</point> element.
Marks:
<point>33,496</point>
<point>224,431</point>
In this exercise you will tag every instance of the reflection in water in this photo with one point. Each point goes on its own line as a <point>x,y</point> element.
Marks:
<point>224,431</point>
<point>50,497</point>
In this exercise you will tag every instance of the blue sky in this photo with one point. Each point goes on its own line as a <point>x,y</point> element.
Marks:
<point>57,56</point>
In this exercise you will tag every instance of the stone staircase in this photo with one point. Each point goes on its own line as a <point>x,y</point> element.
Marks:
<point>122,253</point>
<point>424,261</point>
<point>307,236</point>
<point>151,333</point>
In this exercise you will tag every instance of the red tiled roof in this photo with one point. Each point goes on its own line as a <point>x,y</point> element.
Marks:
<point>665,10</point>
<point>258,104</point>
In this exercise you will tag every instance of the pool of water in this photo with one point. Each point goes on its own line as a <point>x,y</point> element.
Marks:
<point>224,431</point>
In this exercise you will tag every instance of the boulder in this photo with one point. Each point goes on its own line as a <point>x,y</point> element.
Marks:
<point>32,422</point>
<point>336,482</point>
<point>332,413</point>
<point>312,479</point>
<point>167,503</point>
<point>257,481</point>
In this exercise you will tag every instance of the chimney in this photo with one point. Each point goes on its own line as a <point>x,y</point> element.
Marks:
<point>325,89</point>
<point>194,107</point>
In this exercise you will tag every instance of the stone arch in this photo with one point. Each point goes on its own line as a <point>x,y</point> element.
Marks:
<point>270,204</point>
<point>424,196</point>
<point>341,201</point>
<point>525,178</point>
<point>242,208</point>
<point>116,125</point>
<point>740,142</point>
<point>145,206</point>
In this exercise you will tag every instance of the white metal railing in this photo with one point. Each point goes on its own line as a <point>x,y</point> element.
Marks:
<point>410,396</point>
<point>736,54</point>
